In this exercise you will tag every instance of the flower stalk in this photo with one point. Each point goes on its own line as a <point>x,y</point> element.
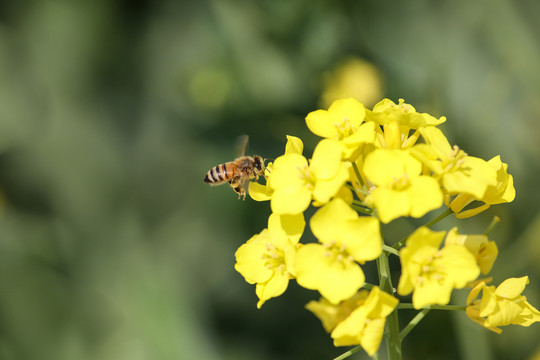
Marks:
<point>391,331</point>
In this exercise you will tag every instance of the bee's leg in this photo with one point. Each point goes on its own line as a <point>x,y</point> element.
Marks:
<point>236,184</point>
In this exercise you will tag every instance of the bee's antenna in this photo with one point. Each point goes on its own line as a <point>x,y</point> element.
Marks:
<point>268,159</point>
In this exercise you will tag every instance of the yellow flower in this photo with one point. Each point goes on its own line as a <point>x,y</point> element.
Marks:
<point>433,273</point>
<point>332,314</point>
<point>267,258</point>
<point>484,251</point>
<point>458,172</point>
<point>358,320</point>
<point>295,183</point>
<point>331,267</point>
<point>503,191</point>
<point>400,189</point>
<point>343,122</point>
<point>365,325</point>
<point>386,111</point>
<point>501,306</point>
<point>397,121</point>
<point>260,192</point>
<point>354,78</point>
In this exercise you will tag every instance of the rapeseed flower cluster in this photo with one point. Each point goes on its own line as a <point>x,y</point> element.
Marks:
<point>370,168</point>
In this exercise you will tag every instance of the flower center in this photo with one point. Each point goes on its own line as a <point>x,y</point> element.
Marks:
<point>274,258</point>
<point>430,272</point>
<point>337,253</point>
<point>307,177</point>
<point>345,129</point>
<point>400,183</point>
<point>405,108</point>
<point>457,157</point>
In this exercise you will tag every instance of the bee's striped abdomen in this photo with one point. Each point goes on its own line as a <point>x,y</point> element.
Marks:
<point>219,174</point>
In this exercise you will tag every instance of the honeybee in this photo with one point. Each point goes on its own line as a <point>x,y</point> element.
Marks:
<point>237,172</point>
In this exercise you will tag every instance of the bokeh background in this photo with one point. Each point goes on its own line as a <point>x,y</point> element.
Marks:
<point>111,112</point>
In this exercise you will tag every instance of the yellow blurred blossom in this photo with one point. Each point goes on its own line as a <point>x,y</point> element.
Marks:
<point>354,78</point>
<point>501,306</point>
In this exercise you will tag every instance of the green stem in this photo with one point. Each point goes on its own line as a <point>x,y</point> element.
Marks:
<point>391,330</point>
<point>352,187</point>
<point>360,203</point>
<point>361,209</point>
<point>494,223</point>
<point>438,218</point>
<point>357,172</point>
<point>412,323</point>
<point>368,286</point>
<point>430,223</point>
<point>348,353</point>
<point>433,307</point>
<point>390,250</point>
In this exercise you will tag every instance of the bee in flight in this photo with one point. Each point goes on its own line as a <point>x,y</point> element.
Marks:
<point>237,172</point>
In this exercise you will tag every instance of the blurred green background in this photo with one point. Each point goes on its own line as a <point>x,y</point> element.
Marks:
<point>111,245</point>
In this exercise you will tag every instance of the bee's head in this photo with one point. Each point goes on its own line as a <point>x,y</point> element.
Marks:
<point>258,165</point>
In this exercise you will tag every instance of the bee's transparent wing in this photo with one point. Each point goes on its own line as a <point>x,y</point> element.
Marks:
<point>241,145</point>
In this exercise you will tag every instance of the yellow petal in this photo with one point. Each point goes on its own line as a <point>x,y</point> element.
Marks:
<point>504,190</point>
<point>286,226</point>
<point>473,177</point>
<point>435,137</point>
<point>487,256</point>
<point>459,264</point>
<point>474,292</point>
<point>390,204</point>
<point>512,287</point>
<point>248,259</point>
<point>364,135</point>
<point>507,312</point>
<point>353,325</point>
<point>294,145</point>
<point>489,301</point>
<point>286,170</point>
<point>335,280</point>
<point>327,222</point>
<point>326,312</point>
<point>345,194</point>
<point>372,336</point>
<point>324,190</point>
<point>274,287</point>
<point>430,293</point>
<point>318,122</point>
<point>384,303</point>
<point>290,199</point>
<point>347,110</point>
<point>425,195</point>
<point>384,166</point>
<point>362,237</point>
<point>259,192</point>
<point>405,285</point>
<point>392,135</point>
<point>326,160</point>
<point>425,237</point>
